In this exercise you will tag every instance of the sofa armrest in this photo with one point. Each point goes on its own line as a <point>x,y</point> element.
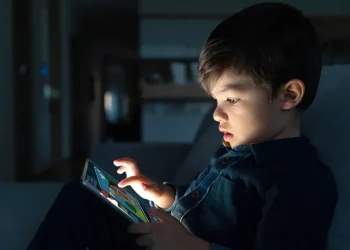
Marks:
<point>159,161</point>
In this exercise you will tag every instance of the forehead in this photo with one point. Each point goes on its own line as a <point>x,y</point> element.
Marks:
<point>230,81</point>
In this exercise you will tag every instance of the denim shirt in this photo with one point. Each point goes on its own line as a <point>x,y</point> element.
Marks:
<point>274,195</point>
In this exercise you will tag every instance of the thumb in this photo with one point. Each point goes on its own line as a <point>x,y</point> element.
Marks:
<point>161,214</point>
<point>139,179</point>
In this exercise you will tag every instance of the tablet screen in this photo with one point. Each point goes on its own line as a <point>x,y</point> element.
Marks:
<point>108,188</point>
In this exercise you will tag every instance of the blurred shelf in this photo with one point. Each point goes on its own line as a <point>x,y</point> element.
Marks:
<point>173,91</point>
<point>327,26</point>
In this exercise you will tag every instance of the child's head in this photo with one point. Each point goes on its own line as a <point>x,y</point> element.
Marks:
<point>262,65</point>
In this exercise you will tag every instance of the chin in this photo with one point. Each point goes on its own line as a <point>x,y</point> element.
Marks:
<point>234,143</point>
<point>231,143</point>
<point>226,144</point>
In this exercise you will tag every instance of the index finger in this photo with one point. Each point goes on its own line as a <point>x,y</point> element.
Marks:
<point>139,179</point>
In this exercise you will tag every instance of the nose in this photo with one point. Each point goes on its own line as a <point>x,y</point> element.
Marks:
<point>219,115</point>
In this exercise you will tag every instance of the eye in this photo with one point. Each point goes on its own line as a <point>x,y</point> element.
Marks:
<point>232,100</point>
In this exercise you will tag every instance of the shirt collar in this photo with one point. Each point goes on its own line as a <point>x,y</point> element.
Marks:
<point>275,150</point>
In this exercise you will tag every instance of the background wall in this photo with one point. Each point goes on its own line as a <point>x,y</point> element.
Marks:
<point>6,93</point>
<point>180,38</point>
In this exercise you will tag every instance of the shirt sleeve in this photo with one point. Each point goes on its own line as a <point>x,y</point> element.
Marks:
<point>179,192</point>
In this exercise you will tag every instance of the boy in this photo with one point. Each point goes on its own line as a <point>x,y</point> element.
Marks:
<point>265,189</point>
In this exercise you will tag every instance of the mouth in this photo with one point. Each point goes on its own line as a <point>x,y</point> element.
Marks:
<point>227,135</point>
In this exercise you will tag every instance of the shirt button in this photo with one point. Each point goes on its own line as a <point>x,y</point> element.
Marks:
<point>195,194</point>
<point>225,160</point>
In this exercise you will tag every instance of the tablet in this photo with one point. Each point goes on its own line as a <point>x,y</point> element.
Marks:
<point>106,187</point>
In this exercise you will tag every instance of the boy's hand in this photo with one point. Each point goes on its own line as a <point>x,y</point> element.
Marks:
<point>168,234</point>
<point>142,185</point>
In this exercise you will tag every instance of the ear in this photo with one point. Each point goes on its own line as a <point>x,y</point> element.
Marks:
<point>291,94</point>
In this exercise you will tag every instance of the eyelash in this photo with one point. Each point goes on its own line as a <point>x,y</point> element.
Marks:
<point>232,101</point>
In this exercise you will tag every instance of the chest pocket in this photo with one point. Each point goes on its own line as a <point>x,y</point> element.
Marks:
<point>229,213</point>
<point>234,202</point>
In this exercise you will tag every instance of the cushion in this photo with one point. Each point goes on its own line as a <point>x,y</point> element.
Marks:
<point>207,140</point>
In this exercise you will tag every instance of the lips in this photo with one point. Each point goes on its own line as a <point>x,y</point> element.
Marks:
<point>227,135</point>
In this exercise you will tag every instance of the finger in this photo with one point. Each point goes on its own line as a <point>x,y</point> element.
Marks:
<point>122,169</point>
<point>140,179</point>
<point>145,241</point>
<point>141,228</point>
<point>127,163</point>
<point>161,214</point>
<point>124,161</point>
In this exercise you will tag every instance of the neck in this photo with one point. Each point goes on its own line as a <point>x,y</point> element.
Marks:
<point>290,130</point>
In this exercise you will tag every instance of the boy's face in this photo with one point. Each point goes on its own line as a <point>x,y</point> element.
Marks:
<point>245,112</point>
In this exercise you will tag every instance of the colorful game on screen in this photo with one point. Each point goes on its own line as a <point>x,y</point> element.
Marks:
<point>119,197</point>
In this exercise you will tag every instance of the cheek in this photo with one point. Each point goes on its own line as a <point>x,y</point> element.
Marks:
<point>265,124</point>
<point>254,120</point>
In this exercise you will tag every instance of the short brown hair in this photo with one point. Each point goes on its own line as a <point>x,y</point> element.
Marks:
<point>270,42</point>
